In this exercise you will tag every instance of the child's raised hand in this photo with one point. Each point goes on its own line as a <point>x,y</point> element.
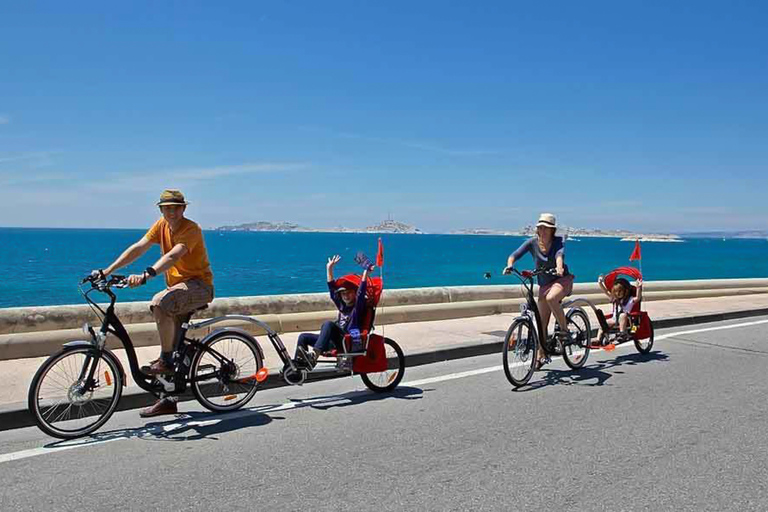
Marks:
<point>639,283</point>
<point>333,260</point>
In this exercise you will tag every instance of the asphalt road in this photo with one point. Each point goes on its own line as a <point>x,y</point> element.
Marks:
<point>684,428</point>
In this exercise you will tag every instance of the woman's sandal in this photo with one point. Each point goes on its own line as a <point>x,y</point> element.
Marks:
<point>541,362</point>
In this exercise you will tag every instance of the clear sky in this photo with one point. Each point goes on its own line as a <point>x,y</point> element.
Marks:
<point>448,115</point>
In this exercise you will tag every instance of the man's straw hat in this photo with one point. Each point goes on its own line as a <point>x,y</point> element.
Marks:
<point>172,198</point>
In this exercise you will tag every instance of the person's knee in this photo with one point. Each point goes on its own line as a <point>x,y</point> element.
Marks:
<point>553,298</point>
<point>160,313</point>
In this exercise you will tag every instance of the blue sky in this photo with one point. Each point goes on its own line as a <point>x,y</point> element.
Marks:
<point>448,115</point>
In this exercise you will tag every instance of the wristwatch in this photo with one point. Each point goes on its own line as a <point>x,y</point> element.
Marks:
<point>151,271</point>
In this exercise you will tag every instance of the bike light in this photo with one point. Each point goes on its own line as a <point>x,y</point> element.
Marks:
<point>107,378</point>
<point>262,375</point>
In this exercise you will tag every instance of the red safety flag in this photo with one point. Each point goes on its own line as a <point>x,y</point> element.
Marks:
<point>636,253</point>
<point>380,255</point>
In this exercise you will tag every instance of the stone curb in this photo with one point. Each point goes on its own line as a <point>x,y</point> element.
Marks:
<point>16,415</point>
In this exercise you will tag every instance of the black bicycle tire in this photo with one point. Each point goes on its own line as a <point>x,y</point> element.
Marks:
<point>533,356</point>
<point>575,366</point>
<point>401,371</point>
<point>42,371</point>
<point>647,349</point>
<point>199,396</point>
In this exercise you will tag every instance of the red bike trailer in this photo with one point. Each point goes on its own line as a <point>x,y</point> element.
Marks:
<point>641,324</point>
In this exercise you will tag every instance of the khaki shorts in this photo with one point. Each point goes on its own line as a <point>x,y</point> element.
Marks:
<point>183,298</point>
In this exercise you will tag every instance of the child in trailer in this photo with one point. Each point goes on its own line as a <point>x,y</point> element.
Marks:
<point>352,302</point>
<point>623,298</point>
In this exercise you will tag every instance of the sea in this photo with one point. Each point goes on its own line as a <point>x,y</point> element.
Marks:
<point>44,266</point>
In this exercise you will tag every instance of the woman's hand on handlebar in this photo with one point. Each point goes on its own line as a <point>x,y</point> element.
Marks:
<point>507,270</point>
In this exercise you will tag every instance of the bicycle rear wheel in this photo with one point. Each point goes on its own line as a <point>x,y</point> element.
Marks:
<point>64,402</point>
<point>223,374</point>
<point>576,352</point>
<point>520,352</point>
<point>387,380</point>
<point>645,346</point>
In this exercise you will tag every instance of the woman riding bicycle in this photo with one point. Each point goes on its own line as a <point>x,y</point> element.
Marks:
<point>548,252</point>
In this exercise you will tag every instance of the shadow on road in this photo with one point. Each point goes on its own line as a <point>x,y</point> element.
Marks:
<point>195,426</point>
<point>593,375</point>
<point>324,403</point>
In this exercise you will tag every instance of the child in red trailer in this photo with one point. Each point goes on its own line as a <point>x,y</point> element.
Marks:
<point>623,301</point>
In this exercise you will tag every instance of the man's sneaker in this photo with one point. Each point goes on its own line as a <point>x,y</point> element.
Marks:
<point>161,407</point>
<point>159,367</point>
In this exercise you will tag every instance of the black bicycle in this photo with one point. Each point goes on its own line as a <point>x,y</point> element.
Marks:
<point>76,390</point>
<point>521,344</point>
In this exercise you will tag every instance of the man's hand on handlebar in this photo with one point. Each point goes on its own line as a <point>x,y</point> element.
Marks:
<point>135,280</point>
<point>507,270</point>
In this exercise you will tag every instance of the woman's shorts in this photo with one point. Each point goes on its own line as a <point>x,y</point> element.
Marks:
<point>566,282</point>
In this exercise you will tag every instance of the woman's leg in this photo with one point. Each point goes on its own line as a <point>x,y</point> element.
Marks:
<point>545,313</point>
<point>554,299</point>
<point>559,290</point>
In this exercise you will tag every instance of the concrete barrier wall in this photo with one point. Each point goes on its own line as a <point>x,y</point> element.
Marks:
<point>38,331</point>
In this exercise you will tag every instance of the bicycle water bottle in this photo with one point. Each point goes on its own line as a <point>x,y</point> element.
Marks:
<point>357,340</point>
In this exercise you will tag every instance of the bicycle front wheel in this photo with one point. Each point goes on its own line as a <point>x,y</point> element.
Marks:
<point>576,351</point>
<point>223,372</point>
<point>75,392</point>
<point>520,352</point>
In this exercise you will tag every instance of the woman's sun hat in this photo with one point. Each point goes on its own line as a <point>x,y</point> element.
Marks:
<point>547,220</point>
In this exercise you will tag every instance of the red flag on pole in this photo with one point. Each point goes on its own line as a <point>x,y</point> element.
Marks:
<point>380,255</point>
<point>636,253</point>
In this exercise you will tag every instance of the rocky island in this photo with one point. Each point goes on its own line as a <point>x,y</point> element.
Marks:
<point>391,226</point>
<point>388,226</point>
<point>574,233</point>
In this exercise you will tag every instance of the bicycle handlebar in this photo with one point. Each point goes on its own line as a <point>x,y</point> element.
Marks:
<point>100,282</point>
<point>528,274</point>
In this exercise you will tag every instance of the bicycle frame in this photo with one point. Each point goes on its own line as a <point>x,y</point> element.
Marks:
<point>532,306</point>
<point>155,384</point>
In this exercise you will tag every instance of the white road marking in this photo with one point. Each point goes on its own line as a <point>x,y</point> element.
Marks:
<point>709,329</point>
<point>134,433</point>
<point>452,376</point>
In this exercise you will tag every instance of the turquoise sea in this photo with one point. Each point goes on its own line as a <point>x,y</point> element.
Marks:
<point>43,266</point>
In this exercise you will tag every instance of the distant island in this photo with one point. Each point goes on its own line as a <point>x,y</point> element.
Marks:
<point>391,226</point>
<point>388,226</point>
<point>754,233</point>
<point>574,234</point>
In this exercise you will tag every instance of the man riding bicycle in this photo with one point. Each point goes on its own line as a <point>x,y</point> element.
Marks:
<point>188,277</point>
